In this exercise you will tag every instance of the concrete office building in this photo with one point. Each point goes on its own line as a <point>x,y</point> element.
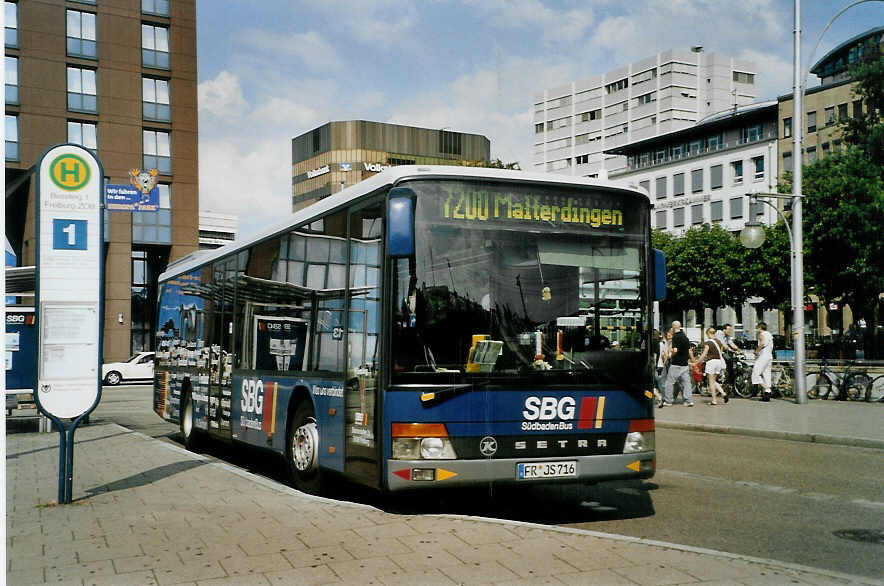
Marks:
<point>216,229</point>
<point>577,123</point>
<point>118,78</point>
<point>701,175</point>
<point>338,154</point>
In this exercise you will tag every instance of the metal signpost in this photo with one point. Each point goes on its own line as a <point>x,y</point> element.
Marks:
<point>70,277</point>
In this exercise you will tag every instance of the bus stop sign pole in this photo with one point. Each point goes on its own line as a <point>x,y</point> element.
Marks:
<point>69,294</point>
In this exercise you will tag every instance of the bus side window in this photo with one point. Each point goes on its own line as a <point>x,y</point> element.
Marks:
<point>326,256</point>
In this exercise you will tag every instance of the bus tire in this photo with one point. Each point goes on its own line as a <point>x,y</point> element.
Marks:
<point>302,450</point>
<point>185,424</point>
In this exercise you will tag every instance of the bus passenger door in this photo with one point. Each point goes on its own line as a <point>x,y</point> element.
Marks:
<point>361,394</point>
<point>220,351</point>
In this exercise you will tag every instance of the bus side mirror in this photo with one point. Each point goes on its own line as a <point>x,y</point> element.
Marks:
<point>659,275</point>
<point>400,222</point>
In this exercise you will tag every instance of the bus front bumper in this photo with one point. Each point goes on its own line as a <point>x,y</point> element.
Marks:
<point>418,474</point>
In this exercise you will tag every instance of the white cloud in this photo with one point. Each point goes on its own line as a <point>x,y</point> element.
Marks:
<point>495,103</point>
<point>552,24</point>
<point>221,96</point>
<point>282,113</point>
<point>372,22</point>
<point>773,74</point>
<point>249,183</point>
<point>313,50</point>
<point>645,27</point>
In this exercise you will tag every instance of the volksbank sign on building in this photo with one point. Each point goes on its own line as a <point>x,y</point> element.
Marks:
<point>339,154</point>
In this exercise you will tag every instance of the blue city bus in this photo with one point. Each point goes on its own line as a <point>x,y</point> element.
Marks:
<point>428,327</point>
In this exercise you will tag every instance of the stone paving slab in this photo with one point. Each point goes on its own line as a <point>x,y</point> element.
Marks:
<point>148,512</point>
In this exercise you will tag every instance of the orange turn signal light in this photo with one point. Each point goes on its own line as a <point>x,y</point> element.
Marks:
<point>419,430</point>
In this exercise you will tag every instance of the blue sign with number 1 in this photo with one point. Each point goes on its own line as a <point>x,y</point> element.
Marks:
<point>68,234</point>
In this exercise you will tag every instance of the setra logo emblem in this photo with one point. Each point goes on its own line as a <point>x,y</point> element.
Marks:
<point>69,172</point>
<point>488,446</point>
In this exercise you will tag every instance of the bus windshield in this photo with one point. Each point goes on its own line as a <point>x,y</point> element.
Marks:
<point>515,284</point>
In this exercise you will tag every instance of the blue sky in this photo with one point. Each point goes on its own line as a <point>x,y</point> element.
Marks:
<point>270,70</point>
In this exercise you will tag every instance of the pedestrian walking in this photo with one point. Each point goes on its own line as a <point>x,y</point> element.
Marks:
<point>763,359</point>
<point>657,351</point>
<point>714,356</point>
<point>678,367</point>
<point>731,351</point>
<point>663,346</point>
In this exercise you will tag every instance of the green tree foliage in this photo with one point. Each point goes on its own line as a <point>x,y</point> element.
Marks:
<point>865,131</point>
<point>708,267</point>
<point>843,217</point>
<point>844,208</point>
<point>492,164</point>
<point>767,270</point>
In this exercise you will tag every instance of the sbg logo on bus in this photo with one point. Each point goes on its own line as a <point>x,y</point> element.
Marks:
<point>252,396</point>
<point>69,172</point>
<point>541,413</point>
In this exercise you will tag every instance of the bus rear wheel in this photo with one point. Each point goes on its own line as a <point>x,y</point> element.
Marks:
<point>302,450</point>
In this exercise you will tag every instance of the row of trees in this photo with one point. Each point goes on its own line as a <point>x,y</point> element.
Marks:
<point>843,219</point>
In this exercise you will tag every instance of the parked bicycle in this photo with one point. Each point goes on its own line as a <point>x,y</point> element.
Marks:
<point>741,382</point>
<point>875,390</point>
<point>849,385</point>
<point>782,378</point>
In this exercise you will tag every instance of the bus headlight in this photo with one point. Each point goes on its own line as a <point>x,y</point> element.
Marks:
<point>437,448</point>
<point>421,441</point>
<point>639,441</point>
<point>428,448</point>
<point>406,448</point>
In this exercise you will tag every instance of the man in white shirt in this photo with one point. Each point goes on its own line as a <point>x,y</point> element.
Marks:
<point>724,336</point>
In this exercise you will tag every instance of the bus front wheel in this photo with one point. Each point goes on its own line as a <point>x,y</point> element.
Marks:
<point>191,437</point>
<point>302,450</point>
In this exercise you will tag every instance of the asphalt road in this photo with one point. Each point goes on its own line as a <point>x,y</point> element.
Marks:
<point>782,500</point>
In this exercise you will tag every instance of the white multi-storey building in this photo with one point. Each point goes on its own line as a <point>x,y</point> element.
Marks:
<point>574,124</point>
<point>703,175</point>
<point>216,229</point>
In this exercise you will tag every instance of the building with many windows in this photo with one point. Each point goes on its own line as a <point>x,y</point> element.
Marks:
<point>576,126</point>
<point>828,103</point>
<point>702,175</point>
<point>338,154</point>
<point>118,78</point>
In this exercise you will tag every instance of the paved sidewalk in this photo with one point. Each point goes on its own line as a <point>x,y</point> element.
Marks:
<point>148,512</point>
<point>847,423</point>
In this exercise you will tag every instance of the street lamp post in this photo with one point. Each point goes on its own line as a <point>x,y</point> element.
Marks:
<point>798,242</point>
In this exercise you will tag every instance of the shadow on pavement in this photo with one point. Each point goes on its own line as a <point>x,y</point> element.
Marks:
<point>145,478</point>
<point>569,503</point>
<point>533,504</point>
